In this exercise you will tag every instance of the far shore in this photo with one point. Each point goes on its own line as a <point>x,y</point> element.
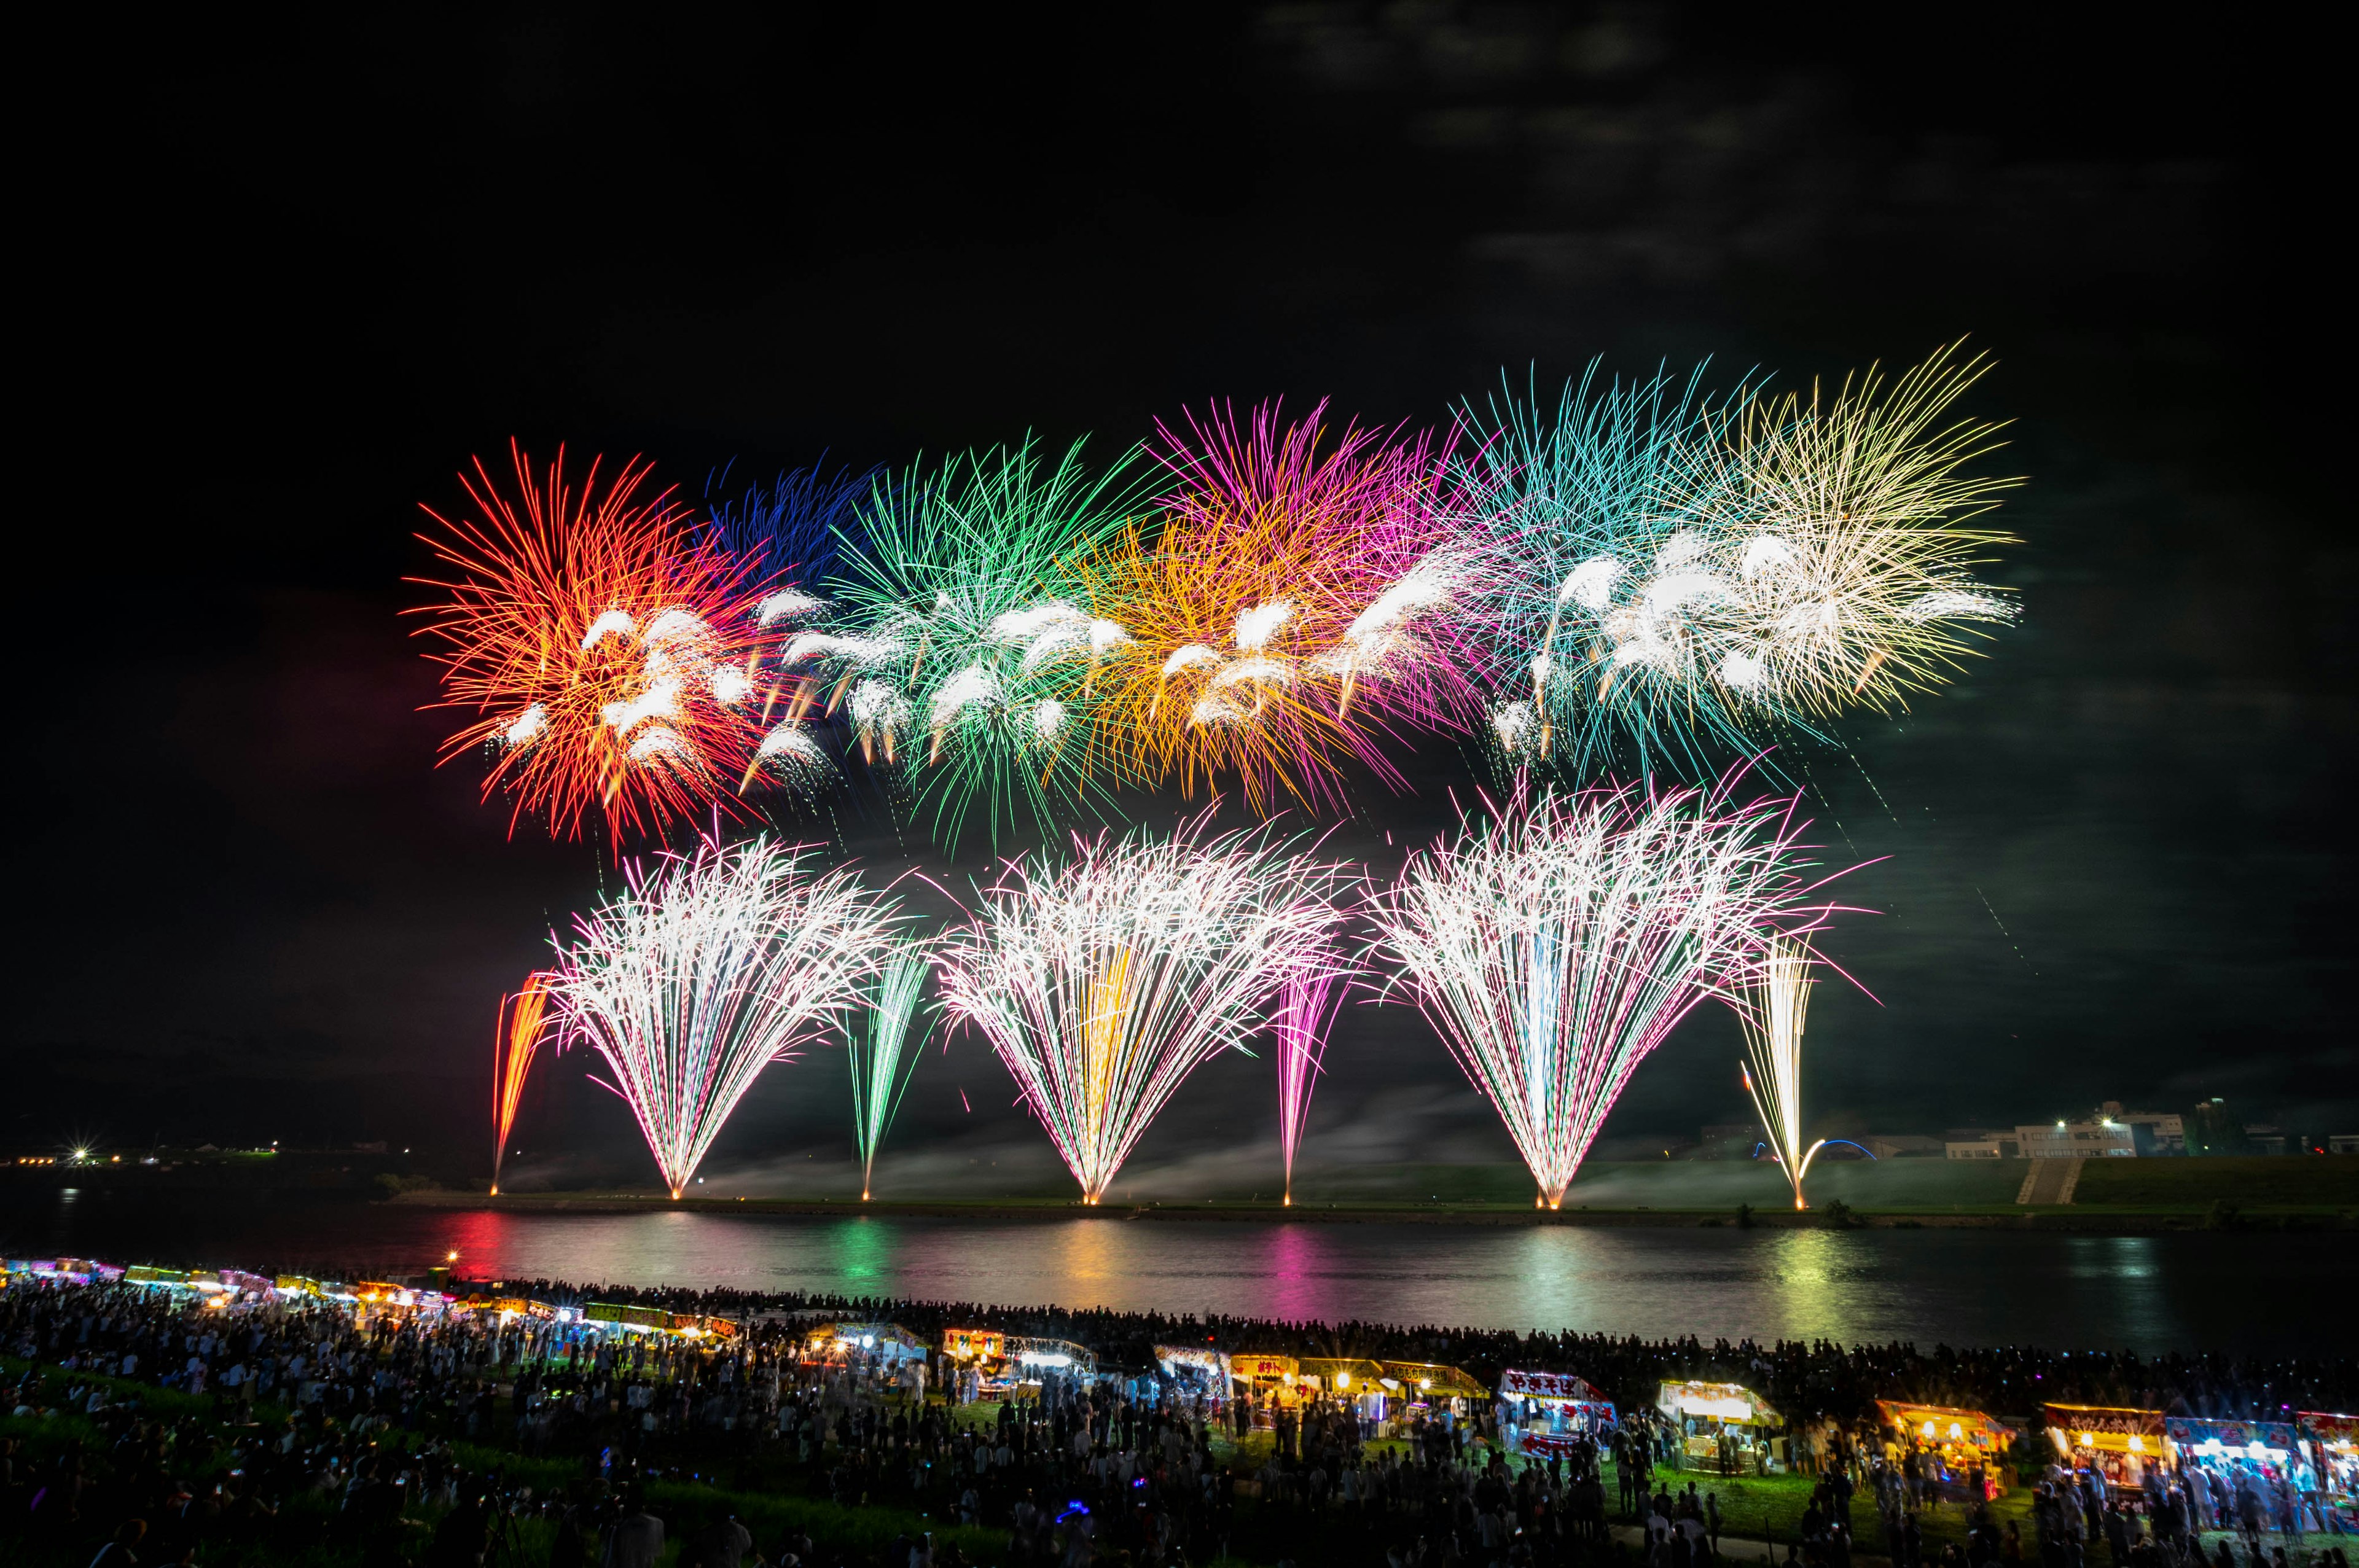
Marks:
<point>2113,1220</point>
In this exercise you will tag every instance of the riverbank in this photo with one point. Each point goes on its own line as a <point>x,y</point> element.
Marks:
<point>2125,1198</point>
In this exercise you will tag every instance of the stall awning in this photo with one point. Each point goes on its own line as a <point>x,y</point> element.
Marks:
<point>1945,1423</point>
<point>1719,1401</point>
<point>1202,1357</point>
<point>1254,1366</point>
<point>1425,1379</point>
<point>1340,1374</point>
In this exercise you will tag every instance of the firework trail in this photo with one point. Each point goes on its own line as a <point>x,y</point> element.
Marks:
<point>1771,1007</point>
<point>1287,608</point>
<point>1102,984</point>
<point>960,649</point>
<point>710,967</point>
<point>1306,1014</point>
<point>1683,575</point>
<point>513,1043</point>
<point>884,1057</point>
<point>614,661</point>
<point>1555,945</point>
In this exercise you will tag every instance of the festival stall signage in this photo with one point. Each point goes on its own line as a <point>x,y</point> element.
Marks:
<point>969,1344</point>
<point>2103,1429</point>
<point>1729,1403</point>
<point>1255,1368</point>
<point>1567,1410</point>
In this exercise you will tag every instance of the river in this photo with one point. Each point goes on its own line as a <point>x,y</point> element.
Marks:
<point>2273,1293</point>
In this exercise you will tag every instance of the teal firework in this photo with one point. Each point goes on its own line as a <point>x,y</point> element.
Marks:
<point>963,649</point>
<point>884,1055</point>
<point>1617,473</point>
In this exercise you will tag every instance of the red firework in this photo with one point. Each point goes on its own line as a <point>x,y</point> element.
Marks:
<point>613,659</point>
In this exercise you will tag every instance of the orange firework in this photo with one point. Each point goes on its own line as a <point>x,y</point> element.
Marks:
<point>1274,618</point>
<point>512,1046</point>
<point>611,659</point>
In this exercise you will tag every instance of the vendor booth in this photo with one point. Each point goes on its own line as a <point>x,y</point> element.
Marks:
<point>1721,1427</point>
<point>1546,1414</point>
<point>2237,1453</point>
<point>1960,1440</point>
<point>2117,1443</point>
<point>886,1342</point>
<point>1198,1369</point>
<point>1431,1389</point>
<point>2333,1441</point>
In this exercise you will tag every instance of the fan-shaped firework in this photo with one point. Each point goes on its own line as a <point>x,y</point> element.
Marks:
<point>961,647</point>
<point>1687,574</point>
<point>1103,983</point>
<point>1554,946</point>
<point>613,662</point>
<point>882,1054</point>
<point>1289,608</point>
<point>1306,1014</point>
<point>1771,1005</point>
<point>513,1044</point>
<point>709,968</point>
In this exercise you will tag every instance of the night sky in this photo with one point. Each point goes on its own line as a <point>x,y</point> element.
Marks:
<point>288,283</point>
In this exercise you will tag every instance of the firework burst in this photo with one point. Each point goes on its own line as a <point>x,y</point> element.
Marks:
<point>1555,945</point>
<point>962,650</point>
<point>1103,983</point>
<point>1289,609</point>
<point>614,663</point>
<point>709,968</point>
<point>514,1041</point>
<point>1685,575</point>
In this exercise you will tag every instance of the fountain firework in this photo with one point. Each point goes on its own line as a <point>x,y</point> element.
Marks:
<point>1102,983</point>
<point>1554,946</point>
<point>709,968</point>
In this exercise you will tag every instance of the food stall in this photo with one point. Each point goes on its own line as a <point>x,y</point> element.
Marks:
<point>1547,1413</point>
<point>2115,1442</point>
<point>2333,1443</point>
<point>1198,1369</point>
<point>886,1342</point>
<point>1723,1427</point>
<point>1959,1440</point>
<point>2232,1451</point>
<point>1268,1383</point>
<point>1430,1389</point>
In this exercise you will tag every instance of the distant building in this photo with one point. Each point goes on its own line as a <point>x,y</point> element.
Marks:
<point>2265,1139</point>
<point>1900,1145</point>
<point>2155,1132</point>
<point>1980,1143</point>
<point>2104,1139</point>
<point>2343,1144</point>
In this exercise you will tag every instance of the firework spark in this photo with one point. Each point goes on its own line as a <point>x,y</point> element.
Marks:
<point>1103,983</point>
<point>1555,945</point>
<point>1771,1008</point>
<point>513,1044</point>
<point>614,663</point>
<point>710,967</point>
<point>882,1054</point>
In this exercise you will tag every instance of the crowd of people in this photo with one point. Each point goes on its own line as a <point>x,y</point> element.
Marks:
<point>345,1429</point>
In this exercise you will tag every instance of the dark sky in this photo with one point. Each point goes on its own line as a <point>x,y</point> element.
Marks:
<point>288,282</point>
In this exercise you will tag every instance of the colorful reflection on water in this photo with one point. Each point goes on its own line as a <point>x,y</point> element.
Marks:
<point>1962,1287</point>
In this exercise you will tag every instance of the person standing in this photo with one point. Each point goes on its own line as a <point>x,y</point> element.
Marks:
<point>638,1539</point>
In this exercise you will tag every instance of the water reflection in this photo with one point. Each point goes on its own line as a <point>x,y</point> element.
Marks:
<point>1962,1287</point>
